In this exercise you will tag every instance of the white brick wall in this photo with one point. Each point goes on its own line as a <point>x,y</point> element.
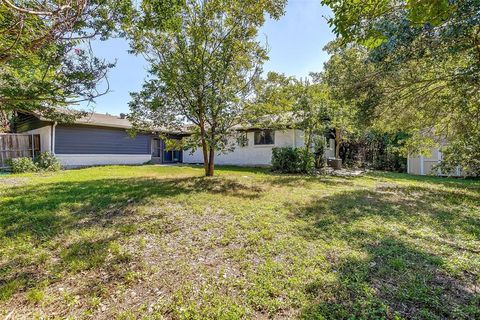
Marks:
<point>251,155</point>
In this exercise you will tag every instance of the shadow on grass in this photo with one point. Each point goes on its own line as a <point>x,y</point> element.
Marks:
<point>473,183</point>
<point>393,279</point>
<point>34,214</point>
<point>449,211</point>
<point>385,274</point>
<point>37,210</point>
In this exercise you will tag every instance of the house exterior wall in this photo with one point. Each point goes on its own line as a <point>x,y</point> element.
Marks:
<point>45,137</point>
<point>85,139</point>
<point>26,122</point>
<point>251,155</point>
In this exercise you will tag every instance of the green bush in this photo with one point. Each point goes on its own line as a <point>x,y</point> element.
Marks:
<point>292,160</point>
<point>46,161</point>
<point>319,154</point>
<point>22,165</point>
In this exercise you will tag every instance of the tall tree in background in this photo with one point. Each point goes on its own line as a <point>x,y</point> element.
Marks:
<point>45,59</point>
<point>427,60</point>
<point>204,64</point>
<point>351,92</point>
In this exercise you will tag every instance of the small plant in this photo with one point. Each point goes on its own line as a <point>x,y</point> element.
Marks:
<point>36,296</point>
<point>292,160</point>
<point>46,161</point>
<point>22,165</point>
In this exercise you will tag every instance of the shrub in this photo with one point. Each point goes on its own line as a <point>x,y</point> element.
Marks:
<point>461,154</point>
<point>46,161</point>
<point>22,165</point>
<point>319,154</point>
<point>292,160</point>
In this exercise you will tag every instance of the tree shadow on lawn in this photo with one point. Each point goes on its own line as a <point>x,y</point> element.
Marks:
<point>448,210</point>
<point>470,183</point>
<point>389,249</point>
<point>32,215</point>
<point>37,210</point>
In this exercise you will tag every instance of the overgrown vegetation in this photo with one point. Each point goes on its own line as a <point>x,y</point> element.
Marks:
<point>292,160</point>
<point>46,161</point>
<point>22,165</point>
<point>376,150</point>
<point>416,70</point>
<point>164,242</point>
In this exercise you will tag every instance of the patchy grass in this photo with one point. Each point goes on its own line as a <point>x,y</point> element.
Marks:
<point>164,242</point>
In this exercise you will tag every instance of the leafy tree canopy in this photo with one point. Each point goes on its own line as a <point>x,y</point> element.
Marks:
<point>204,61</point>
<point>45,59</point>
<point>425,57</point>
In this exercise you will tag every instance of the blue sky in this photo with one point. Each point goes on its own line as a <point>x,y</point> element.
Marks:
<point>295,48</point>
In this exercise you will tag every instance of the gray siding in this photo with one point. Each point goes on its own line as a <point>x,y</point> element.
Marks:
<point>84,139</point>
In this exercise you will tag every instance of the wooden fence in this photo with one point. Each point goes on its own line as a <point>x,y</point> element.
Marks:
<point>18,145</point>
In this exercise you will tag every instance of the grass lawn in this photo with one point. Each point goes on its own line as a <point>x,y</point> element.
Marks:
<point>159,242</point>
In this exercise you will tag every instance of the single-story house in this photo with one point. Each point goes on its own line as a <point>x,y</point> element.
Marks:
<point>99,139</point>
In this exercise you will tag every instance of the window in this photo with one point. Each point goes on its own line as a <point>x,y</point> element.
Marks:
<point>264,137</point>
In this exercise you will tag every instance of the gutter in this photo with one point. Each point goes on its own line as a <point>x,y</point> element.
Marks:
<point>52,135</point>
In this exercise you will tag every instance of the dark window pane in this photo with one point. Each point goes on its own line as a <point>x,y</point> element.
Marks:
<point>167,156</point>
<point>264,137</point>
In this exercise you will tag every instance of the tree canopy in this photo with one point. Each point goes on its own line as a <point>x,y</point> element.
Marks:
<point>424,57</point>
<point>45,58</point>
<point>204,63</point>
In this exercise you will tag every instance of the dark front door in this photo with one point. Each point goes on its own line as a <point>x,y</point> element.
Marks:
<point>157,148</point>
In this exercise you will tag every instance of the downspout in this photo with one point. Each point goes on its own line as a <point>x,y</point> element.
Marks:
<point>52,143</point>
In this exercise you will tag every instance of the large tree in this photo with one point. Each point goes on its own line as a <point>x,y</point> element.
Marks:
<point>352,92</point>
<point>204,63</point>
<point>426,56</point>
<point>45,57</point>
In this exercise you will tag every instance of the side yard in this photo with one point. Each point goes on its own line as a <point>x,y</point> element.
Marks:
<point>164,242</point>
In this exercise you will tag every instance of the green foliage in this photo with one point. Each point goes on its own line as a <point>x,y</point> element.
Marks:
<point>464,155</point>
<point>45,58</point>
<point>292,160</point>
<point>424,65</point>
<point>360,21</point>
<point>46,161</point>
<point>204,66</point>
<point>376,150</point>
<point>22,165</point>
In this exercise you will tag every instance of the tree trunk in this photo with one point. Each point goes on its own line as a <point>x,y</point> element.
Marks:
<point>206,165</point>
<point>308,140</point>
<point>338,140</point>
<point>211,162</point>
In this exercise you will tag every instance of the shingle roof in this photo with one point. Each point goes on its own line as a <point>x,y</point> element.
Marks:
<point>104,120</point>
